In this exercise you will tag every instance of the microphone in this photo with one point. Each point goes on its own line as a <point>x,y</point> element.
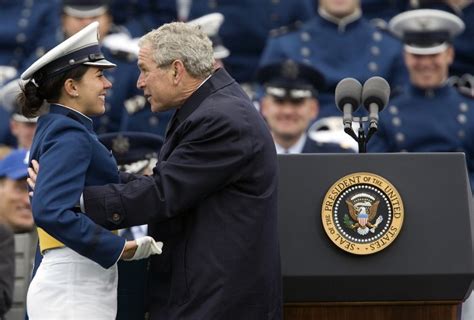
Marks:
<point>347,96</point>
<point>375,94</point>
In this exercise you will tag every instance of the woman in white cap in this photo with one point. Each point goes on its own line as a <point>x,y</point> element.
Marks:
<point>77,277</point>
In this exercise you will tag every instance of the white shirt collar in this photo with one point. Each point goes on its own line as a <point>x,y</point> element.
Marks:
<point>341,22</point>
<point>204,81</point>
<point>296,148</point>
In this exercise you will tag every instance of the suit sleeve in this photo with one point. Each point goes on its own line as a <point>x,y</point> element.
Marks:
<point>64,162</point>
<point>210,155</point>
<point>127,177</point>
<point>7,269</point>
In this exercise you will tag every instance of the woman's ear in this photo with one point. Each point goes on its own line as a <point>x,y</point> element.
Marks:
<point>71,88</point>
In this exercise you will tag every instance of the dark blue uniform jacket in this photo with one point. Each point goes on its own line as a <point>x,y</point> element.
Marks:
<point>440,120</point>
<point>71,157</point>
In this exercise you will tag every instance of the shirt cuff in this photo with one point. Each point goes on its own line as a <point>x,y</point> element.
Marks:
<point>81,203</point>
<point>121,253</point>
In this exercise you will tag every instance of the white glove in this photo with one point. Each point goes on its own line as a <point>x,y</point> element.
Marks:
<point>147,246</point>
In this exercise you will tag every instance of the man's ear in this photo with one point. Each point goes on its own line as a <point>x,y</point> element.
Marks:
<point>264,105</point>
<point>314,103</point>
<point>13,126</point>
<point>450,55</point>
<point>178,70</point>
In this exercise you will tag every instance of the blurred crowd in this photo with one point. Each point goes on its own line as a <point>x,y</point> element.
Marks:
<point>338,39</point>
<point>288,55</point>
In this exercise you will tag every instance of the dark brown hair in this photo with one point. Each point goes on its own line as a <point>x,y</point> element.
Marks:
<point>32,96</point>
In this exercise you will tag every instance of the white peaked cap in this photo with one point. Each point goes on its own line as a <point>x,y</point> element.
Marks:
<point>9,93</point>
<point>81,48</point>
<point>85,12</point>
<point>121,42</point>
<point>426,31</point>
<point>210,24</point>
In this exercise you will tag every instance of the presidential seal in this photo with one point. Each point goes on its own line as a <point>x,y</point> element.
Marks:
<point>362,213</point>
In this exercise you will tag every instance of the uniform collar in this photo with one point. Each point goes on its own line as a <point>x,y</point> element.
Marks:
<point>219,79</point>
<point>341,23</point>
<point>431,93</point>
<point>296,148</point>
<point>74,114</point>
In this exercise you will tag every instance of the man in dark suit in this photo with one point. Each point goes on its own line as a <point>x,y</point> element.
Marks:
<point>212,197</point>
<point>290,104</point>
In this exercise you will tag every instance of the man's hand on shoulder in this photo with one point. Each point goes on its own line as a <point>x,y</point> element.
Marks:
<point>33,174</point>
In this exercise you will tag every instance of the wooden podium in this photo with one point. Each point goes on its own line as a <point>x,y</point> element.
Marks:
<point>425,273</point>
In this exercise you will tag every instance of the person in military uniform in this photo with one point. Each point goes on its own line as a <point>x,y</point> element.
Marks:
<point>383,9</point>
<point>463,63</point>
<point>23,129</point>
<point>140,17</point>
<point>16,130</point>
<point>339,43</point>
<point>216,178</point>
<point>246,28</point>
<point>136,153</point>
<point>429,115</point>
<point>79,257</point>
<point>290,104</point>
<point>124,96</point>
<point>6,137</point>
<point>27,31</point>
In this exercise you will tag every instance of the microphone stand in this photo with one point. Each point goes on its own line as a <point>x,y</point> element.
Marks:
<point>361,138</point>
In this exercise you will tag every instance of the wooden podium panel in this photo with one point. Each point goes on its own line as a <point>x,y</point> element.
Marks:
<point>444,310</point>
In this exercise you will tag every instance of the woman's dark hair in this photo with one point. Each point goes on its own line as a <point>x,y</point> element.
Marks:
<point>47,88</point>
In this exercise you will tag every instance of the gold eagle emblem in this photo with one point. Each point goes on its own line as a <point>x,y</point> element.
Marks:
<point>362,212</point>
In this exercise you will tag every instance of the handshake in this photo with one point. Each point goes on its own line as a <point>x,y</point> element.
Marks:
<point>141,248</point>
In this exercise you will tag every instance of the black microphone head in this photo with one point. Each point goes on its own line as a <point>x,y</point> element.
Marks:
<point>348,91</point>
<point>376,90</point>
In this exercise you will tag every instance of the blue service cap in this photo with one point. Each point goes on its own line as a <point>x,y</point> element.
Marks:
<point>130,147</point>
<point>80,48</point>
<point>426,31</point>
<point>290,79</point>
<point>15,165</point>
<point>85,8</point>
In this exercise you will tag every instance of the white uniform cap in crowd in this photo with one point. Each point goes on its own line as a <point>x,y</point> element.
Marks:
<point>81,48</point>
<point>426,31</point>
<point>85,8</point>
<point>9,93</point>
<point>210,24</point>
<point>8,100</point>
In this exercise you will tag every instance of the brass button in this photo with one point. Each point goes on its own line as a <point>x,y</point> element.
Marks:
<point>115,217</point>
